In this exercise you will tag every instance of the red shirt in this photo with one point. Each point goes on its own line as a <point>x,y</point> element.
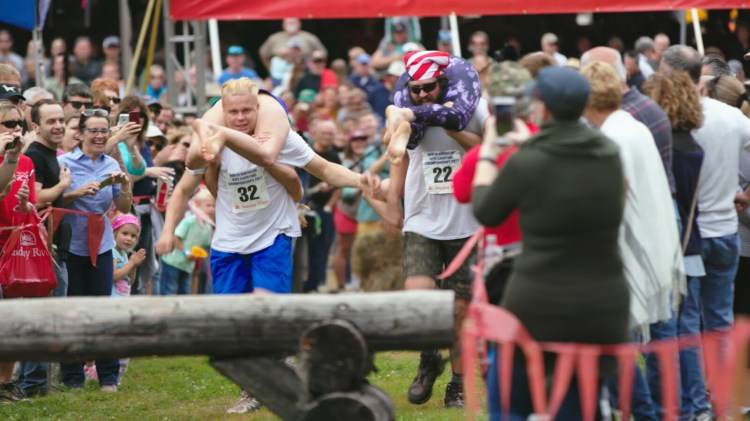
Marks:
<point>509,231</point>
<point>23,171</point>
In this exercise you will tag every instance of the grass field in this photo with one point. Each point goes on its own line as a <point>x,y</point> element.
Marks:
<point>187,388</point>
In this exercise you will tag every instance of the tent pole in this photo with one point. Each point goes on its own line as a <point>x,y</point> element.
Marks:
<point>151,47</point>
<point>139,46</point>
<point>683,27</point>
<point>37,36</point>
<point>697,29</point>
<point>126,38</point>
<point>213,37</point>
<point>454,35</point>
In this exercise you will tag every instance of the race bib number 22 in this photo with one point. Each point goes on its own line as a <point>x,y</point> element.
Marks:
<point>439,167</point>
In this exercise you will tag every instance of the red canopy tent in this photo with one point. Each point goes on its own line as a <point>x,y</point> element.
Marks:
<point>354,9</point>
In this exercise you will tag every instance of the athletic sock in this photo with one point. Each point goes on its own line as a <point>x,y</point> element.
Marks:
<point>457,378</point>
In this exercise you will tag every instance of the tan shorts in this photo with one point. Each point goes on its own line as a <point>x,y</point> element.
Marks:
<point>427,257</point>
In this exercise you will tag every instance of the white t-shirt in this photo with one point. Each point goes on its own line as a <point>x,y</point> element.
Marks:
<point>724,133</point>
<point>430,209</point>
<point>253,208</point>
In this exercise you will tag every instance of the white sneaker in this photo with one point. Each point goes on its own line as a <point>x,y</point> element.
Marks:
<point>246,404</point>
<point>109,388</point>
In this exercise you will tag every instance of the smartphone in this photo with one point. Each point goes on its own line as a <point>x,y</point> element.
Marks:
<point>106,182</point>
<point>122,119</point>
<point>505,113</point>
<point>135,117</point>
<point>13,144</point>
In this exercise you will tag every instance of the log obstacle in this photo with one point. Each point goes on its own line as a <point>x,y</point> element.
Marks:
<point>246,337</point>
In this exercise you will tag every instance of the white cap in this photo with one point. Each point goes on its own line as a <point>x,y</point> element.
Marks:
<point>154,131</point>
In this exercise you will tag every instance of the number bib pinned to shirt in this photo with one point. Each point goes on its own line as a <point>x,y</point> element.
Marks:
<point>439,167</point>
<point>248,190</point>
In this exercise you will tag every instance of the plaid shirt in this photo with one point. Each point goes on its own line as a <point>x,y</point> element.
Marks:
<point>648,112</point>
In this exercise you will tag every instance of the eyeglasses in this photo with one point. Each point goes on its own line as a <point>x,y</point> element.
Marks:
<point>115,99</point>
<point>97,131</point>
<point>12,124</point>
<point>79,104</point>
<point>100,112</point>
<point>427,88</point>
<point>318,60</point>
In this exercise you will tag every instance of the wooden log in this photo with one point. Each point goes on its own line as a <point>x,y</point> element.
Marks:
<point>269,380</point>
<point>219,325</point>
<point>333,358</point>
<point>367,404</point>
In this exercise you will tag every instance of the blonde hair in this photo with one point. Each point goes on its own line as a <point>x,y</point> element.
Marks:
<point>9,74</point>
<point>606,86</point>
<point>6,107</point>
<point>202,195</point>
<point>239,86</point>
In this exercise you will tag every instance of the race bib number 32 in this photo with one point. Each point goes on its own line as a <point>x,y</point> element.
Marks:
<point>439,167</point>
<point>248,190</point>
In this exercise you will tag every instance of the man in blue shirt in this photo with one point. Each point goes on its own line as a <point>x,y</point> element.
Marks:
<point>235,69</point>
<point>362,77</point>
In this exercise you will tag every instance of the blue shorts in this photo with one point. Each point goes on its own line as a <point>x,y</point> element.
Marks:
<point>269,269</point>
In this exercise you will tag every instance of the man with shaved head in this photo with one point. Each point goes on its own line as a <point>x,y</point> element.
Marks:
<point>646,397</point>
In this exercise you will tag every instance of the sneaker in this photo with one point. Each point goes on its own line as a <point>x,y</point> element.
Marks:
<point>90,372</point>
<point>454,395</point>
<point>109,388</point>
<point>11,393</point>
<point>430,367</point>
<point>246,404</point>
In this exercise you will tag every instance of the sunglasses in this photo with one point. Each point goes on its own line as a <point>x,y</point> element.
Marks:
<point>12,124</point>
<point>318,60</point>
<point>100,112</point>
<point>97,131</point>
<point>427,88</point>
<point>79,104</point>
<point>115,99</point>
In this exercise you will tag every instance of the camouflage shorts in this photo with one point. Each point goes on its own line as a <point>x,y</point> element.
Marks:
<point>427,257</point>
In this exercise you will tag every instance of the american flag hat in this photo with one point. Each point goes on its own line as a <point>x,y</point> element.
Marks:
<point>423,65</point>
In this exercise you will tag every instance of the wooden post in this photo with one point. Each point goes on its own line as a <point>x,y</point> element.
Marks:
<point>216,325</point>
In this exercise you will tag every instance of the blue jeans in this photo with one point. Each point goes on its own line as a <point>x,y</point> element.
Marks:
<point>709,301</point>
<point>174,281</point>
<point>319,247</point>
<point>520,398</point>
<point>85,279</point>
<point>33,377</point>
<point>666,329</point>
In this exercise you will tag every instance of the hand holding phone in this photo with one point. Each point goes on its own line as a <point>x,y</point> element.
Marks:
<point>13,144</point>
<point>505,113</point>
<point>106,182</point>
<point>123,119</point>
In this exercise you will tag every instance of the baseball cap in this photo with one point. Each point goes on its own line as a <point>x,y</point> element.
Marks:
<point>363,58</point>
<point>508,78</point>
<point>307,95</point>
<point>8,91</point>
<point>396,68</point>
<point>411,46</point>
<point>294,42</point>
<point>563,91</point>
<point>235,50</point>
<point>111,41</point>
<point>444,37</point>
<point>549,38</point>
<point>154,131</point>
